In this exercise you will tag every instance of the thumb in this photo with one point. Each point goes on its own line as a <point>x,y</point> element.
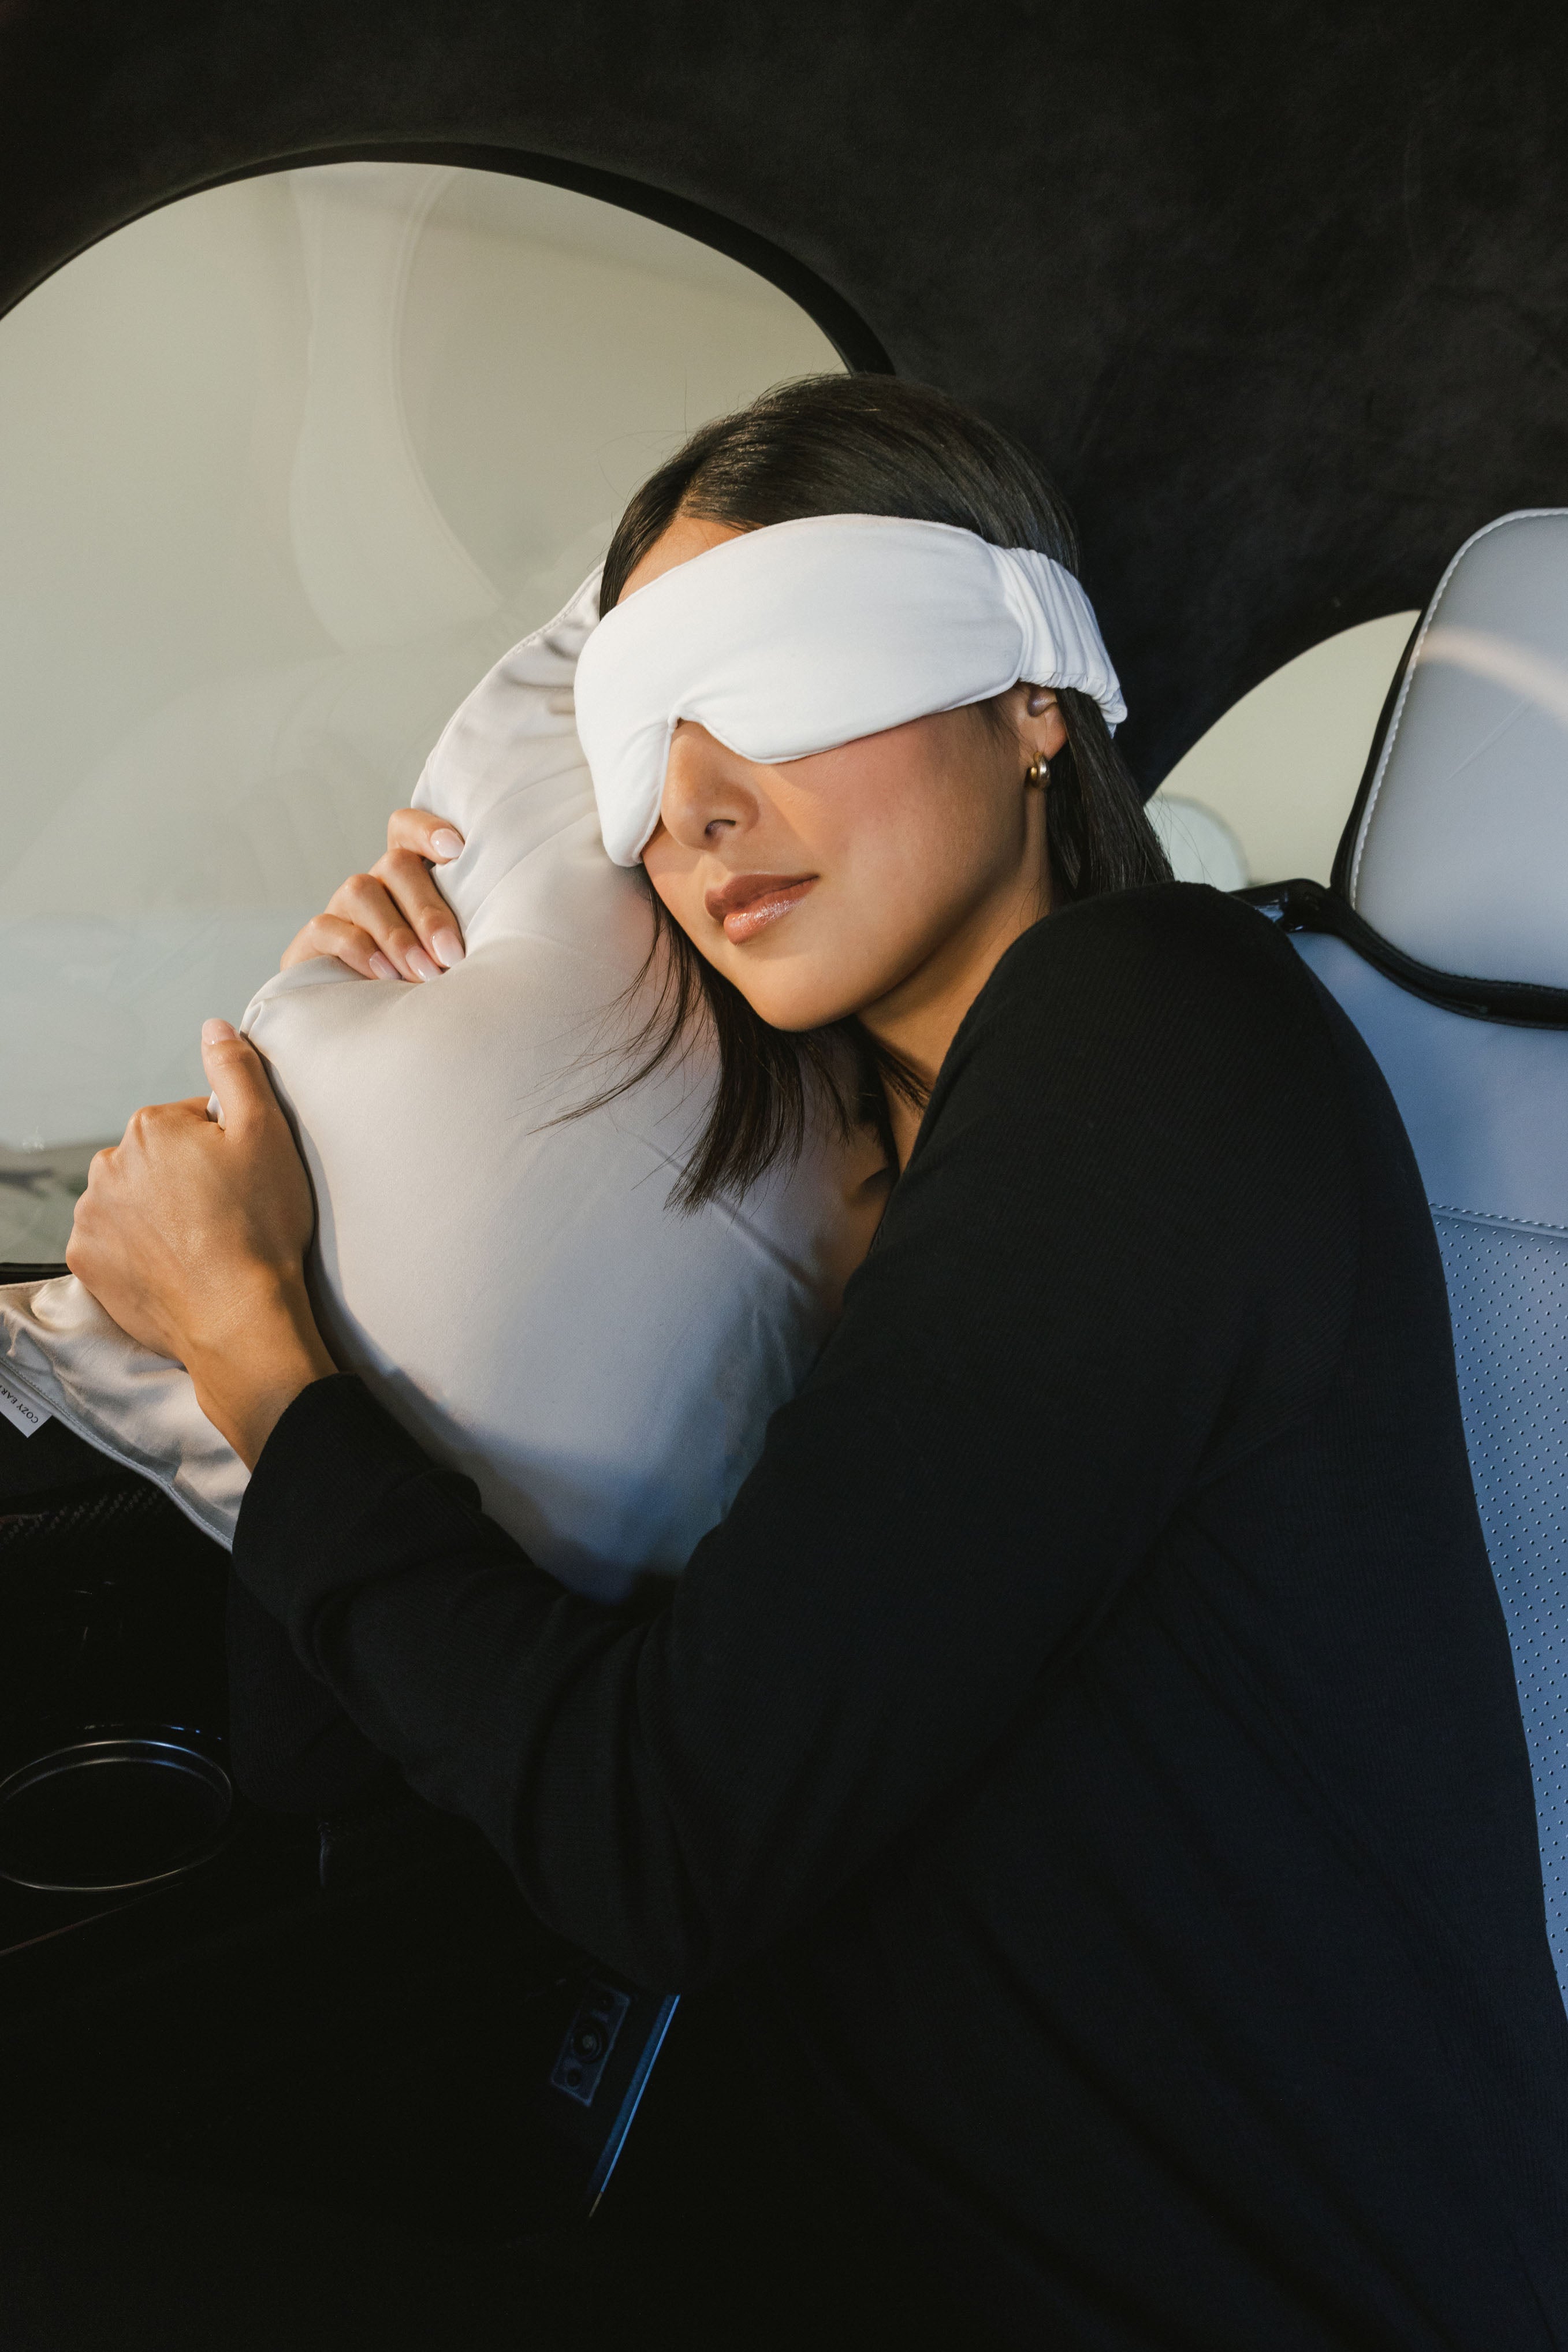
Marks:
<point>242,1092</point>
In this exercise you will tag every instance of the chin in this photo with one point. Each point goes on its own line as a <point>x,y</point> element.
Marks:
<point>793,1010</point>
<point>804,991</point>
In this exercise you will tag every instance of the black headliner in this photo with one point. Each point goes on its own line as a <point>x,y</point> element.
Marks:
<point>1279,291</point>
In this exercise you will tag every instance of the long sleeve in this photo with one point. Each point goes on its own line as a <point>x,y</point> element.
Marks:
<point>1122,1256</point>
<point>293,1747</point>
<point>1090,1744</point>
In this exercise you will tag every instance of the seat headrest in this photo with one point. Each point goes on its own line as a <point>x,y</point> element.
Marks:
<point>1458,851</point>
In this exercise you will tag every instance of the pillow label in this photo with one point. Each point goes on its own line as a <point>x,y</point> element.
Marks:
<point>20,1411</point>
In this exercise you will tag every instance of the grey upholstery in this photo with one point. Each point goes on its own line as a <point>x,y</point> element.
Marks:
<point>1458,858</point>
<point>1486,1108</point>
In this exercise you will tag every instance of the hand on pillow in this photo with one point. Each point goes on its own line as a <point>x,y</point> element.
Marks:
<point>191,1235</point>
<point>392,923</point>
<point>511,1281</point>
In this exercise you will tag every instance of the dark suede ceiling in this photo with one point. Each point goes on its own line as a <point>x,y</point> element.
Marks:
<point>1278,290</point>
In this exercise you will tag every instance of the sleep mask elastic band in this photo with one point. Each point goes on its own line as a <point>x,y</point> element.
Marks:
<point>795,638</point>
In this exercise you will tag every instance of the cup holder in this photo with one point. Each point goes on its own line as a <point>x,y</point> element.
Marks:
<point>112,1812</point>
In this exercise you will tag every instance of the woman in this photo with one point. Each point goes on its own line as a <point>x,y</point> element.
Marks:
<point>1087,1756</point>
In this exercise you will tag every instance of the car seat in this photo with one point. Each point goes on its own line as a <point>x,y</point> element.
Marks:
<point>1444,936</point>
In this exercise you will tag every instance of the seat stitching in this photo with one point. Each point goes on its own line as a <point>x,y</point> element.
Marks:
<point>1493,1217</point>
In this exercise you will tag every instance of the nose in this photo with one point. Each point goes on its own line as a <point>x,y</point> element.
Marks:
<point>707,795</point>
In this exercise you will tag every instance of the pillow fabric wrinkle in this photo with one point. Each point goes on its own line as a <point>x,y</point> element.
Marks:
<point>510,1282</point>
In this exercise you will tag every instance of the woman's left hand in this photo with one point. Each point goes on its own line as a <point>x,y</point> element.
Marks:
<point>192,1235</point>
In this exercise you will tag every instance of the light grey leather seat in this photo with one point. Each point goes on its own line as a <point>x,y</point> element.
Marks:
<point>1446,940</point>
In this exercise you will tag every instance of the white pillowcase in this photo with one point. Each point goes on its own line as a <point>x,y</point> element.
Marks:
<point>518,1293</point>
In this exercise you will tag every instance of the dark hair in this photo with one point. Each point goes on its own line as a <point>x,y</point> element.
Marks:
<point>856,445</point>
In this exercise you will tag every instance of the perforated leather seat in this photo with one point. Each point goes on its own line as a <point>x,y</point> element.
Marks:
<point>1445,938</point>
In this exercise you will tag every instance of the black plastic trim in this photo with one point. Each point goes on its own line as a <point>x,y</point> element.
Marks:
<point>861,352</point>
<point>1304,906</point>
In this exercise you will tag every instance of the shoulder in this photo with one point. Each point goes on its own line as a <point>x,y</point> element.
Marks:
<point>1146,1103</point>
<point>1173,1011</point>
<point>1180,970</point>
<point>1157,953</point>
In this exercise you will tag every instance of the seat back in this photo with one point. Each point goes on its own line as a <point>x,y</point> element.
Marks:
<point>1446,940</point>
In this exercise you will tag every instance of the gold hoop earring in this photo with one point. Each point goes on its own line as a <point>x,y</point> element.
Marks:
<point>1039,771</point>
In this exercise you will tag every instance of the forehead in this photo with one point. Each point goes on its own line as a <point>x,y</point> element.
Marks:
<point>678,542</point>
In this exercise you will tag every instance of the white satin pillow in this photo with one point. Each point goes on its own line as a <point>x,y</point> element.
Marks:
<point>517,1292</point>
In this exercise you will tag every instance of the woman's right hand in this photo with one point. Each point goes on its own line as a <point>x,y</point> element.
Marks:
<point>392,923</point>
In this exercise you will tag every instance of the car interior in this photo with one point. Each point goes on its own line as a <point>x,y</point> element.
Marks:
<point>330,343</point>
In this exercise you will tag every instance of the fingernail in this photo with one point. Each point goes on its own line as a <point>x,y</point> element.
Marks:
<point>446,843</point>
<point>217,1033</point>
<point>447,948</point>
<point>421,965</point>
<point>381,968</point>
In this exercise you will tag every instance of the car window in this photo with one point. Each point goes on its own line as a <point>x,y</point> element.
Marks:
<point>284,467</point>
<point>1264,795</point>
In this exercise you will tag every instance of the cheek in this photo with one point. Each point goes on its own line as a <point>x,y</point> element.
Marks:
<point>859,809</point>
<point>894,826</point>
<point>899,827</point>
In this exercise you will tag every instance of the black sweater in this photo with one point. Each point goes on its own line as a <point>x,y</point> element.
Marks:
<point>1089,1745</point>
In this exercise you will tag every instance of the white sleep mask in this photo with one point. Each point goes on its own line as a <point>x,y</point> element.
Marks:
<point>802,636</point>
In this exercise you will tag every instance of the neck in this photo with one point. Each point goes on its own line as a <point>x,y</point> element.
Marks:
<point>919,1019</point>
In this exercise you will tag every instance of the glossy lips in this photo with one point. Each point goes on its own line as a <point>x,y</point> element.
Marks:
<point>751,901</point>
